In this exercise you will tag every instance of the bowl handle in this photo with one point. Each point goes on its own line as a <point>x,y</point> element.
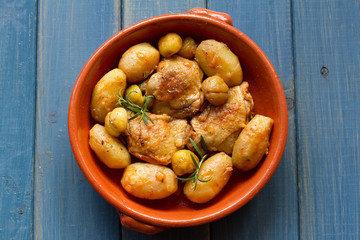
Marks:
<point>212,14</point>
<point>138,226</point>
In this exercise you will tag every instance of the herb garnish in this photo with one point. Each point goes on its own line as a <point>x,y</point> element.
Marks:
<point>127,103</point>
<point>194,176</point>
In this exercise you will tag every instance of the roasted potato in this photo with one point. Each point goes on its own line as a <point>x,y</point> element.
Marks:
<point>182,163</point>
<point>149,181</point>
<point>116,121</point>
<point>188,48</point>
<point>108,148</point>
<point>139,61</point>
<point>252,143</point>
<point>169,44</point>
<point>104,95</point>
<point>215,58</point>
<point>218,169</point>
<point>216,91</point>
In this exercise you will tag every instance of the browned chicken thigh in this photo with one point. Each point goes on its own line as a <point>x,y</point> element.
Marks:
<point>176,87</point>
<point>157,142</point>
<point>220,126</point>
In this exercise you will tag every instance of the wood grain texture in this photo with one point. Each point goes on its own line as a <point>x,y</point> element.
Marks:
<point>17,119</point>
<point>326,129</point>
<point>273,213</point>
<point>198,232</point>
<point>326,40</point>
<point>66,206</point>
<point>135,11</point>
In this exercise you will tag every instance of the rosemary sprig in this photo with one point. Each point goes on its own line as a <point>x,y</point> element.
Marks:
<point>194,176</point>
<point>127,103</point>
<point>203,144</point>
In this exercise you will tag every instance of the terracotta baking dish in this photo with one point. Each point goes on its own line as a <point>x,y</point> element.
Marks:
<point>176,211</point>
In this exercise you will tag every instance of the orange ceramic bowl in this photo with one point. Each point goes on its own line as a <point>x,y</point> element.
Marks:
<point>150,216</point>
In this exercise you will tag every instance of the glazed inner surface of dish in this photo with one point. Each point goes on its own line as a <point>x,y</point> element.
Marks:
<point>177,208</point>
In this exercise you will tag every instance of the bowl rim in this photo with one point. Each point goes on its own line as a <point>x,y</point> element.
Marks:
<point>199,220</point>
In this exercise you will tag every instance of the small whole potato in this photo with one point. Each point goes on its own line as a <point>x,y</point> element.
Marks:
<point>252,143</point>
<point>149,181</point>
<point>216,91</point>
<point>139,61</point>
<point>169,44</point>
<point>105,92</point>
<point>188,48</point>
<point>116,121</point>
<point>218,169</point>
<point>108,148</point>
<point>136,96</point>
<point>182,163</point>
<point>215,58</point>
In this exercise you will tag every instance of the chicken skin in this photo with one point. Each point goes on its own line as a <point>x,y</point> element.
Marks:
<point>157,142</point>
<point>176,87</point>
<point>220,126</point>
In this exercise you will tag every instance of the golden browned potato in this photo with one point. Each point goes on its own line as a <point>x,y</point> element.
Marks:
<point>218,168</point>
<point>116,121</point>
<point>188,48</point>
<point>169,44</point>
<point>216,91</point>
<point>252,143</point>
<point>108,148</point>
<point>139,61</point>
<point>149,181</point>
<point>104,95</point>
<point>215,58</point>
<point>182,162</point>
<point>136,96</point>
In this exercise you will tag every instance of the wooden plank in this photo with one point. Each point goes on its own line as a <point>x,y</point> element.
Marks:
<point>327,73</point>
<point>198,232</point>
<point>273,213</point>
<point>131,15</point>
<point>137,10</point>
<point>17,119</point>
<point>66,206</point>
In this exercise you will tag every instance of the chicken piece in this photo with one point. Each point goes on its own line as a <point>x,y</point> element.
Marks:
<point>220,126</point>
<point>157,142</point>
<point>176,87</point>
<point>228,144</point>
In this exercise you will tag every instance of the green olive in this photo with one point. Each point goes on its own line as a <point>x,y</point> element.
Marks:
<point>182,162</point>
<point>188,48</point>
<point>116,121</point>
<point>216,91</point>
<point>136,96</point>
<point>169,44</point>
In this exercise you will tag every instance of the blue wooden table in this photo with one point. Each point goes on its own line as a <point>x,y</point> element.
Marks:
<point>313,44</point>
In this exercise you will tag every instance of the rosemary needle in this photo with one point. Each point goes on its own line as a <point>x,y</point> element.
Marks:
<point>195,175</point>
<point>127,103</point>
